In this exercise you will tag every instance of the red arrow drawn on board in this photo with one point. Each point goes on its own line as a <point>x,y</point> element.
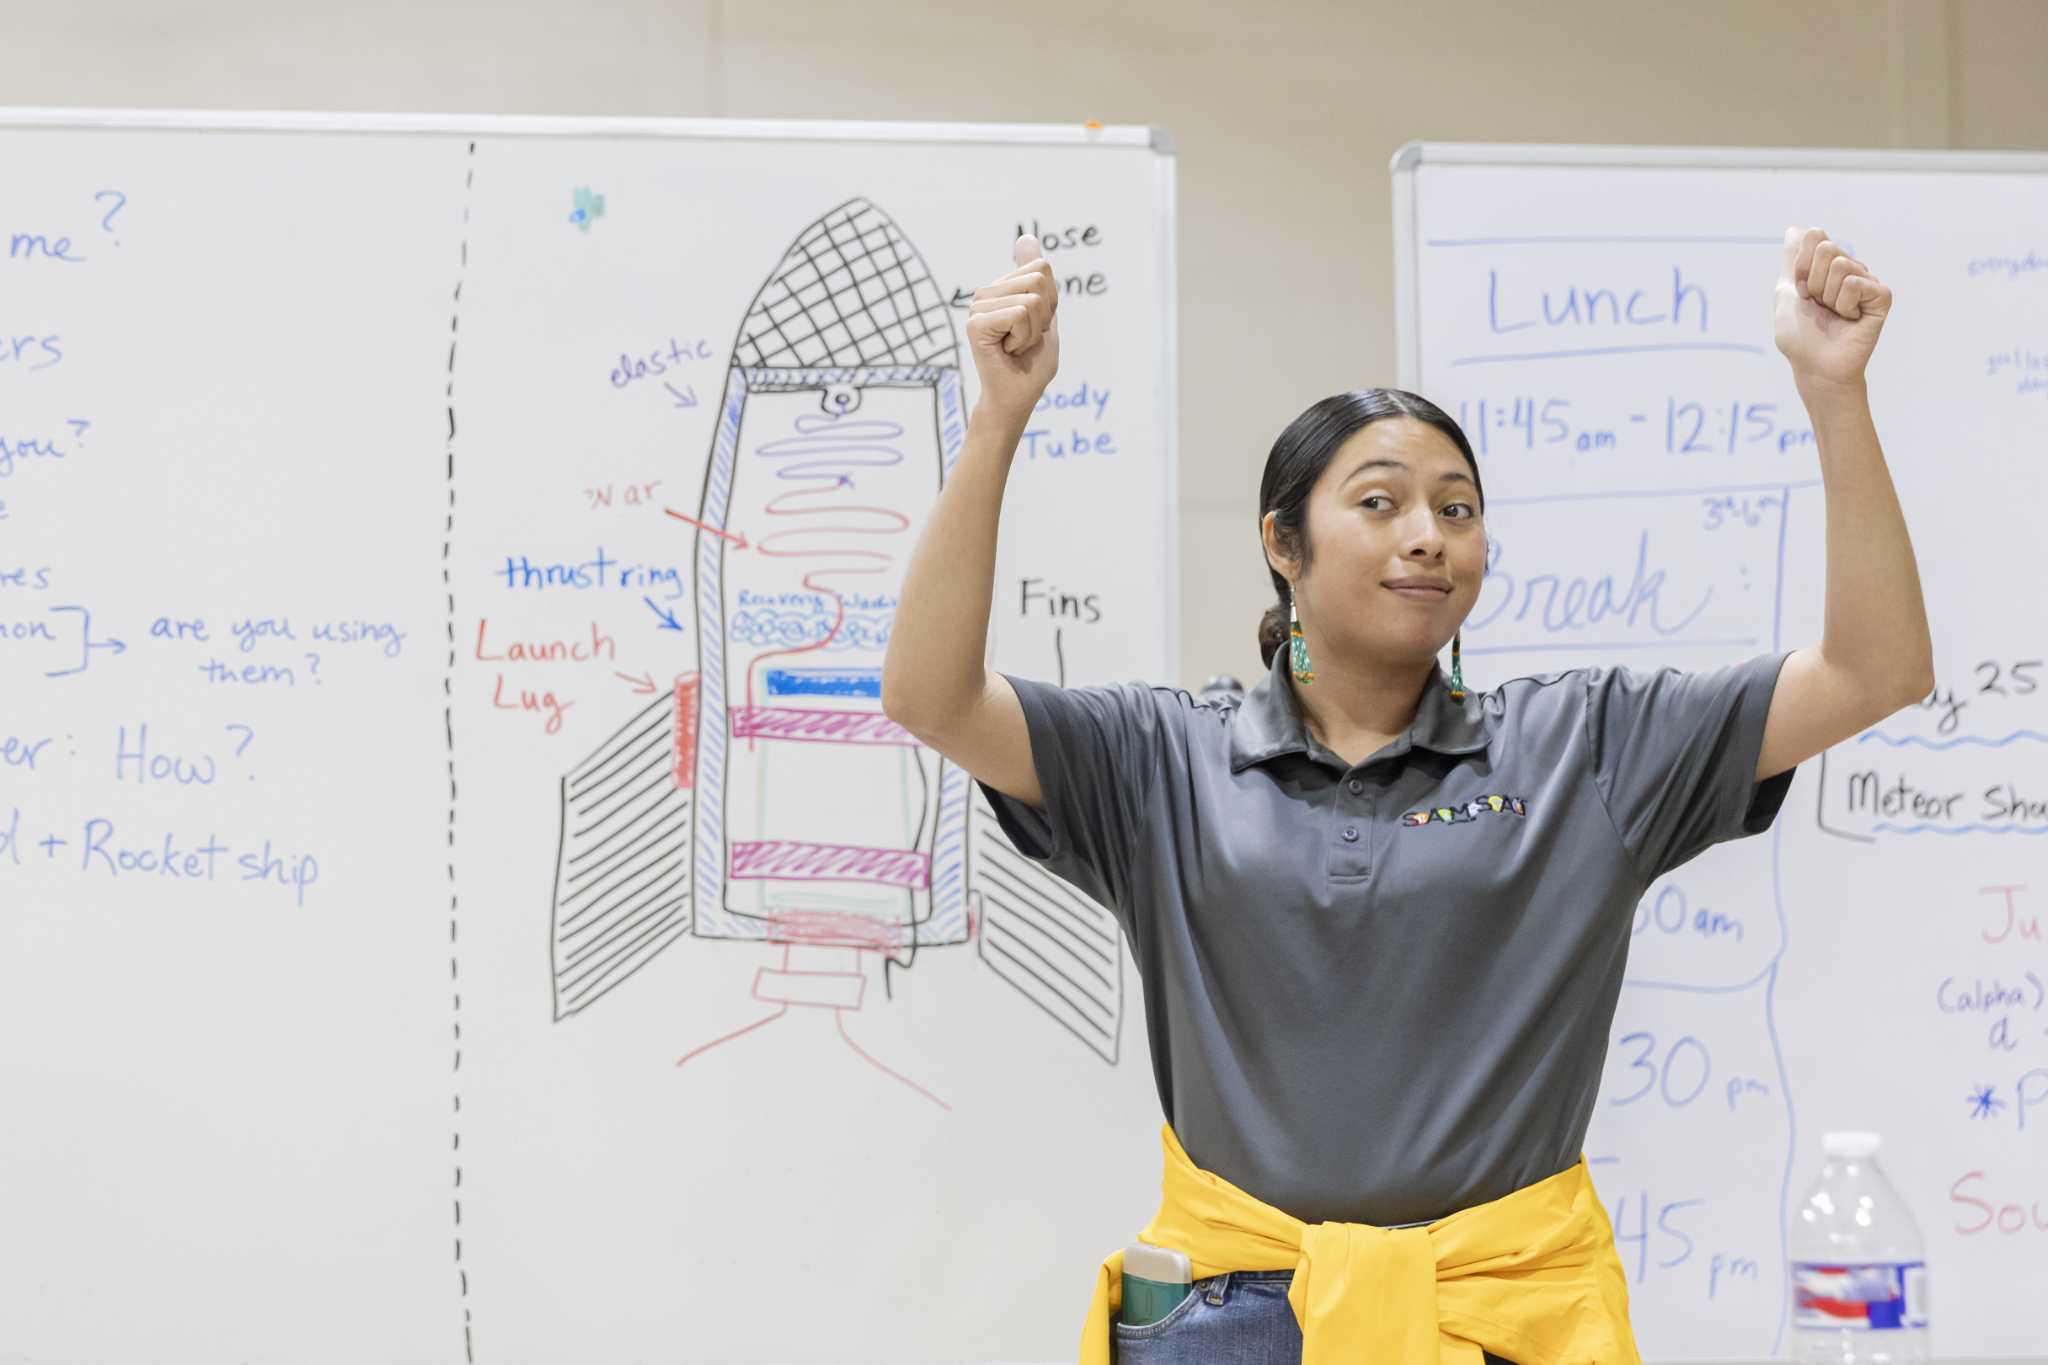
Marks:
<point>739,542</point>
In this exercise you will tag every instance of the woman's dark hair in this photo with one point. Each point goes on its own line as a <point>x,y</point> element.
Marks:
<point>1300,456</point>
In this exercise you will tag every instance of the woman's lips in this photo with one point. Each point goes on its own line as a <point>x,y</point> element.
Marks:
<point>1421,592</point>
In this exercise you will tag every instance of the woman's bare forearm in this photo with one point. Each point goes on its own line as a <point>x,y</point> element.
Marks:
<point>935,666</point>
<point>1875,627</point>
<point>934,673</point>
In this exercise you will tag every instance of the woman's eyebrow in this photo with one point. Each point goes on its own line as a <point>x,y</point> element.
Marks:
<point>1382,462</point>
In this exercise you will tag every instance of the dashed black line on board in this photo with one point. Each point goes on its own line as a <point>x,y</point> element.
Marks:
<point>448,693</point>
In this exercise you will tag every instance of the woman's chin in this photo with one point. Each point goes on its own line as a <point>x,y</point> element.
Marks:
<point>1407,647</point>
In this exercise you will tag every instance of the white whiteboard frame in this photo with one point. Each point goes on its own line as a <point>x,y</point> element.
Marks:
<point>552,125</point>
<point>1402,167</point>
<point>1158,140</point>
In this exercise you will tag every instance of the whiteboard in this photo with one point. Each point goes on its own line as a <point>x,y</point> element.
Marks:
<point>1599,319</point>
<point>459,898</point>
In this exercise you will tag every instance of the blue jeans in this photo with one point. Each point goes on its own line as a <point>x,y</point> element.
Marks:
<point>1238,1318</point>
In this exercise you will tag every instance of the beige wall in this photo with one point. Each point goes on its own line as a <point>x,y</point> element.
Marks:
<point>1284,121</point>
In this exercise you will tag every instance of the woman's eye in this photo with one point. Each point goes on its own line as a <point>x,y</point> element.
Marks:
<point>1459,511</point>
<point>1372,498</point>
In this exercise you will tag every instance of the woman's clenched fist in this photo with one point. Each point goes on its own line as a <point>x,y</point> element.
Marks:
<point>1014,333</point>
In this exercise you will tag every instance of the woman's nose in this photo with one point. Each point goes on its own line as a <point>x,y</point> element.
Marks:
<point>1427,540</point>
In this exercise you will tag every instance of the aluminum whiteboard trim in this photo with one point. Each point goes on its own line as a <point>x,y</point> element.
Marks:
<point>1415,154</point>
<point>1157,140</point>
<point>1165,189</point>
<point>1407,307</point>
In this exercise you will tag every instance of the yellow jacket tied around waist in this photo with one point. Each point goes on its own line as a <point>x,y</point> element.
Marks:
<point>1531,1276</point>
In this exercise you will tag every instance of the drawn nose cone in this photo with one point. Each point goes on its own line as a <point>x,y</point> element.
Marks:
<point>851,292</point>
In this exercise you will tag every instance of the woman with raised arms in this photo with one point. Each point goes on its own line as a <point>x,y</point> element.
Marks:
<point>1381,918</point>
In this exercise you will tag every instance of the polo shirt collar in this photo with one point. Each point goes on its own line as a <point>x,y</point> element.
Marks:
<point>1268,722</point>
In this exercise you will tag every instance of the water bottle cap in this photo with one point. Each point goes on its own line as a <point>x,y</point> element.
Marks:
<point>1850,1146</point>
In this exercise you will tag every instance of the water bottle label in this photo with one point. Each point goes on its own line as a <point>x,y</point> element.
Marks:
<point>1871,1296</point>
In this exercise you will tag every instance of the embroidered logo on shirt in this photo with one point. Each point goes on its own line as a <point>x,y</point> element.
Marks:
<point>1471,810</point>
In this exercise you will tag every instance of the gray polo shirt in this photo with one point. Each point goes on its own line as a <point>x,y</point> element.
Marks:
<point>1382,993</point>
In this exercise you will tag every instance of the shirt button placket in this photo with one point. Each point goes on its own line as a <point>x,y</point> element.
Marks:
<point>1354,831</point>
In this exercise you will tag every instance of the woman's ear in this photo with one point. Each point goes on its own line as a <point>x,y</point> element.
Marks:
<point>1282,562</point>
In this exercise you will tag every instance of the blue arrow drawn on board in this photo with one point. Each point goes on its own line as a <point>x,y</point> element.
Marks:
<point>85,659</point>
<point>668,619</point>
<point>682,400</point>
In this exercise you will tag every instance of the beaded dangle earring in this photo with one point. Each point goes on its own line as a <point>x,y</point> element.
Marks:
<point>1297,647</point>
<point>1458,666</point>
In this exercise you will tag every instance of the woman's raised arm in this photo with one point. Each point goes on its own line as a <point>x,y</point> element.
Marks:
<point>1875,655</point>
<point>934,680</point>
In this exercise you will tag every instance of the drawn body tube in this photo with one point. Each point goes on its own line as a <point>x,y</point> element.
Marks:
<point>820,821</point>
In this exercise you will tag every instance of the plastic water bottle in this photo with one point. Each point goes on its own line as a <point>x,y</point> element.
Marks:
<point>1858,1264</point>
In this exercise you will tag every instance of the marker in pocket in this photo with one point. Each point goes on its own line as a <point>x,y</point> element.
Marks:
<point>1156,1279</point>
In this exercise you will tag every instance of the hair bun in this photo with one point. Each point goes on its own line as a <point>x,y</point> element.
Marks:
<point>1272,633</point>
